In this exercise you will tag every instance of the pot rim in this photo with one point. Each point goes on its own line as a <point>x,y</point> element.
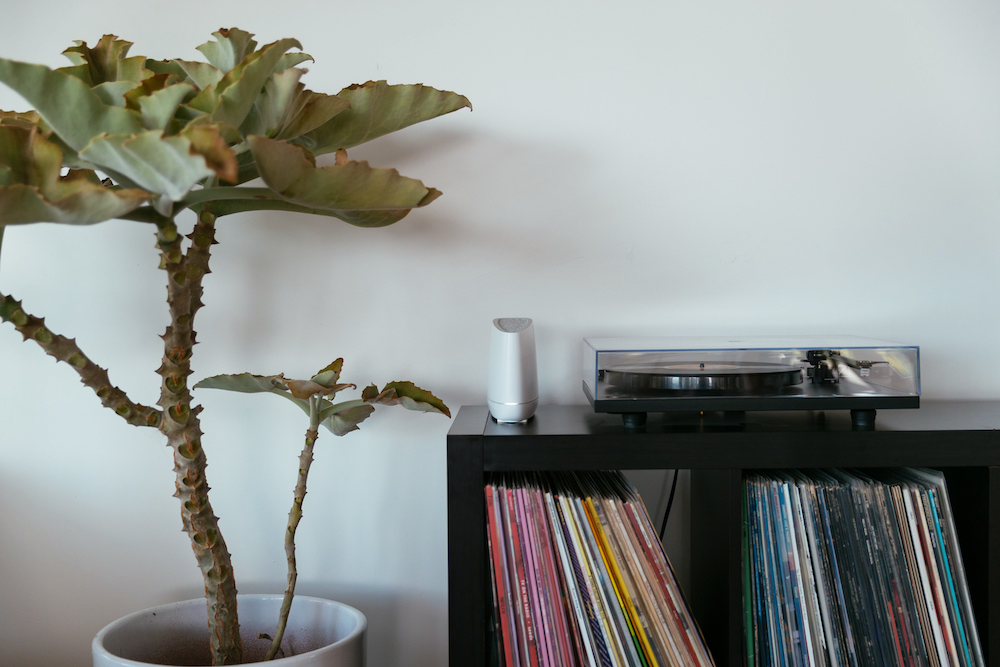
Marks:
<point>359,629</point>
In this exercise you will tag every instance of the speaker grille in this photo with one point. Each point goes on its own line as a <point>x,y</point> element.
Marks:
<point>513,324</point>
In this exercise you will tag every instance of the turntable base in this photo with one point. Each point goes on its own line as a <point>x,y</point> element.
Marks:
<point>728,376</point>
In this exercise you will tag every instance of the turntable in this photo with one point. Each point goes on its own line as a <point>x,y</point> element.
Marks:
<point>634,376</point>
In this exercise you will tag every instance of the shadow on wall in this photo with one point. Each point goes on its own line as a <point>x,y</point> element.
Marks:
<point>483,178</point>
<point>504,225</point>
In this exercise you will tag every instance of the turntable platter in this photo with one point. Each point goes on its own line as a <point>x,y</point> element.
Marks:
<point>738,377</point>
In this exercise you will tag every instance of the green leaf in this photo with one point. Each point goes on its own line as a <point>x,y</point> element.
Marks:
<point>203,74</point>
<point>32,189</point>
<point>317,109</point>
<point>330,374</point>
<point>170,67</point>
<point>267,110</point>
<point>339,418</point>
<point>112,93</point>
<point>158,107</point>
<point>231,47</point>
<point>229,206</point>
<point>146,87</point>
<point>81,72</point>
<point>246,383</point>
<point>226,201</point>
<point>211,141</point>
<point>291,60</point>
<point>107,61</point>
<point>169,166</point>
<point>291,171</point>
<point>308,388</point>
<point>407,394</point>
<point>285,109</point>
<point>373,219</point>
<point>378,109</point>
<point>345,417</point>
<point>66,104</point>
<point>328,410</point>
<point>230,100</point>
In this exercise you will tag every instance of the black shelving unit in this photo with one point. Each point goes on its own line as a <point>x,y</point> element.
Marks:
<point>960,438</point>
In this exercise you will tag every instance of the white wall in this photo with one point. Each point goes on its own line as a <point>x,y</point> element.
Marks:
<point>631,168</point>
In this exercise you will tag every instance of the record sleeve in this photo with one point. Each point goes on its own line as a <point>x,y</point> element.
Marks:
<point>579,564</point>
<point>659,623</point>
<point>499,572</point>
<point>913,570</point>
<point>539,618</point>
<point>496,636</point>
<point>665,635</point>
<point>904,595</point>
<point>948,580</point>
<point>934,571</point>
<point>601,587</point>
<point>579,578</point>
<point>563,651</point>
<point>595,488</point>
<point>692,646</point>
<point>807,570</point>
<point>854,575</point>
<point>887,639</point>
<point>803,633</point>
<point>627,565</point>
<point>913,509</point>
<point>578,616</point>
<point>517,631</point>
<point>936,480</point>
<point>841,620</point>
<point>759,599</point>
<point>769,597</point>
<point>630,634</point>
<point>831,637</point>
<point>864,565</point>
<point>526,622</point>
<point>780,593</point>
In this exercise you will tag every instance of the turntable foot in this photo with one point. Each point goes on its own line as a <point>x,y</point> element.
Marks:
<point>634,419</point>
<point>862,420</point>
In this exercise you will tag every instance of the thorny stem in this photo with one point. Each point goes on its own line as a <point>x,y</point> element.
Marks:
<point>66,349</point>
<point>294,516</point>
<point>182,427</point>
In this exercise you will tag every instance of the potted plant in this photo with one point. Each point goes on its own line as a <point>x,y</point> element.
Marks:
<point>129,137</point>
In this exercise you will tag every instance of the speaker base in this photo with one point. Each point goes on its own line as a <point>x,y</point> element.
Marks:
<point>512,413</point>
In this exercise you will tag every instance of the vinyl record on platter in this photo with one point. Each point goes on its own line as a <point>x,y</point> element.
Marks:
<point>737,377</point>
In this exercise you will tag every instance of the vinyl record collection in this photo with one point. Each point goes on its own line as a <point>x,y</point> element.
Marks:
<point>580,578</point>
<point>849,568</point>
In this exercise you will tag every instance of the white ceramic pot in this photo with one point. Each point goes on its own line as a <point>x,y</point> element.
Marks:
<point>320,633</point>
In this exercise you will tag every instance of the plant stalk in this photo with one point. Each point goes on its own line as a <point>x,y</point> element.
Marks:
<point>66,350</point>
<point>294,516</point>
<point>183,430</point>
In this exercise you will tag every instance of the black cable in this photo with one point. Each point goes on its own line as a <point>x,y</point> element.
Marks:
<point>670,501</point>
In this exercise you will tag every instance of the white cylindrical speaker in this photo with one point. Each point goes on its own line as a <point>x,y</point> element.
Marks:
<point>512,389</point>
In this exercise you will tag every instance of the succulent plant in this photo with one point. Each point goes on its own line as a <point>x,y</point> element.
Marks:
<point>313,397</point>
<point>129,137</point>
